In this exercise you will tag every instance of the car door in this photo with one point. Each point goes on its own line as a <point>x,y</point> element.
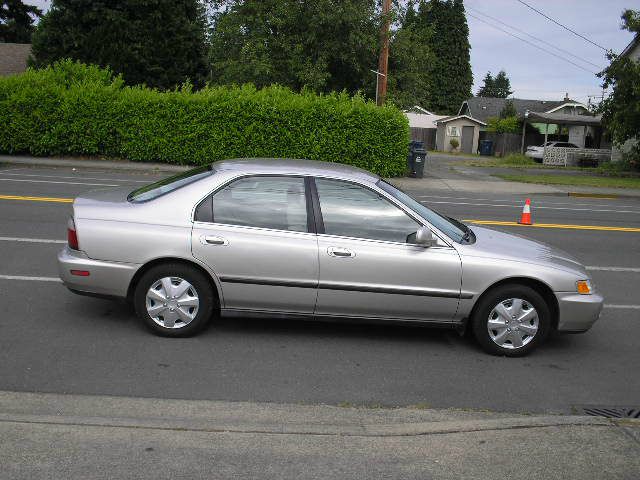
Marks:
<point>255,234</point>
<point>367,268</point>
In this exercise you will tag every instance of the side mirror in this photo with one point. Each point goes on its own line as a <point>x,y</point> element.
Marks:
<point>424,236</point>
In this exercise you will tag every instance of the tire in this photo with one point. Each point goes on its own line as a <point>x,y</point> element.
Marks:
<point>516,312</point>
<point>180,315</point>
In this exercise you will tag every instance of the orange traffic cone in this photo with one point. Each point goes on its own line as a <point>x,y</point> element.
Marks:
<point>525,219</point>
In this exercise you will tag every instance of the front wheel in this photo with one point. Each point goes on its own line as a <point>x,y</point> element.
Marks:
<point>174,300</point>
<point>512,320</point>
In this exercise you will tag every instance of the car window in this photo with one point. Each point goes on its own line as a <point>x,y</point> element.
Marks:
<point>154,190</point>
<point>452,228</point>
<point>266,202</point>
<point>353,211</point>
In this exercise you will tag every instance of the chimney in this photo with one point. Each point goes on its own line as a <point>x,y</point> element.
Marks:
<point>566,97</point>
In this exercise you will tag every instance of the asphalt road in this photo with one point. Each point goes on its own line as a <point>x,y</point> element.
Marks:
<point>54,341</point>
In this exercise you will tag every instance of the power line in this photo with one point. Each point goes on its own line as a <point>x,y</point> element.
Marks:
<point>561,25</point>
<point>600,67</point>
<point>532,44</point>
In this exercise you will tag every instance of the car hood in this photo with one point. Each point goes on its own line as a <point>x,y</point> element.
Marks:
<point>499,245</point>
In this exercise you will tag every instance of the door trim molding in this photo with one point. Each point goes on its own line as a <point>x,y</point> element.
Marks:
<point>347,287</point>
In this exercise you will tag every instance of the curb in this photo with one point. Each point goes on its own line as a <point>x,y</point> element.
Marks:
<point>92,163</point>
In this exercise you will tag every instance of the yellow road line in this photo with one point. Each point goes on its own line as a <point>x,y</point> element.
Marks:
<point>36,199</point>
<point>556,225</point>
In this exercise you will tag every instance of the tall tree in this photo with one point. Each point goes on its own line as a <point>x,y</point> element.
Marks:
<point>439,73</point>
<point>323,45</point>
<point>409,54</point>
<point>496,87</point>
<point>450,68</point>
<point>161,43</point>
<point>16,21</point>
<point>620,110</point>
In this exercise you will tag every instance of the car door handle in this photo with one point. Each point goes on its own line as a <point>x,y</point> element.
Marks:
<point>340,252</point>
<point>213,240</point>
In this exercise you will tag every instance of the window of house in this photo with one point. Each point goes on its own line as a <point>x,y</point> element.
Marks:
<point>453,131</point>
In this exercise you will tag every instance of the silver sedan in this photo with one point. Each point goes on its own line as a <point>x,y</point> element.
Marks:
<point>314,240</point>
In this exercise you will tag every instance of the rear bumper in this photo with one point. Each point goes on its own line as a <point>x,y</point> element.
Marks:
<point>578,313</point>
<point>105,278</point>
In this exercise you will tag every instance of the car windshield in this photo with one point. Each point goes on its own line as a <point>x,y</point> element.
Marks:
<point>455,230</point>
<point>154,190</point>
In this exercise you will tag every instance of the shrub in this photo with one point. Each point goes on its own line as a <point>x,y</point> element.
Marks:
<point>454,143</point>
<point>74,109</point>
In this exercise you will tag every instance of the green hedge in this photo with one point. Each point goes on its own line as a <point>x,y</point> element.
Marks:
<point>74,109</point>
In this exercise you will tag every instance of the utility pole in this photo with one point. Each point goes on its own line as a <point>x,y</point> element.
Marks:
<point>383,63</point>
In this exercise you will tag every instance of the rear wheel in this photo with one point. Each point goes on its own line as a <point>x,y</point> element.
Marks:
<point>512,320</point>
<point>174,300</point>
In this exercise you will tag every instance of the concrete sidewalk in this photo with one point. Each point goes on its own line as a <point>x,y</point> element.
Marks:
<point>68,436</point>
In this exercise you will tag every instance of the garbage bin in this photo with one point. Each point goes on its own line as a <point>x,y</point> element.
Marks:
<point>416,159</point>
<point>486,147</point>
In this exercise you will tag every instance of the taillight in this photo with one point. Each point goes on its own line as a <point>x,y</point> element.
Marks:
<point>72,236</point>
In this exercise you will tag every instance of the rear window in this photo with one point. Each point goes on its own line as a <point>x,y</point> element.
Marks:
<point>154,190</point>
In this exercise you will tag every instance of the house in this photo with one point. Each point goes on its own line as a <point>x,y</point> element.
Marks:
<point>631,51</point>
<point>463,128</point>
<point>556,119</point>
<point>423,125</point>
<point>13,58</point>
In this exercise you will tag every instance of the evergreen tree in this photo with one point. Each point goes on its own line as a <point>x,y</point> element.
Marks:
<point>502,85</point>
<point>161,43</point>
<point>408,56</point>
<point>488,86</point>
<point>498,87</point>
<point>324,45</point>
<point>450,69</point>
<point>438,77</point>
<point>16,21</point>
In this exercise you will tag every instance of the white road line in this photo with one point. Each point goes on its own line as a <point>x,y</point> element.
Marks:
<point>537,202</point>
<point>2,172</point>
<point>613,269</point>
<point>628,307</point>
<point>30,240</point>
<point>33,279</point>
<point>66,183</point>
<point>533,207</point>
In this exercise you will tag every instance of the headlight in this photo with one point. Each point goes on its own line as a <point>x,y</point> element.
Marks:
<point>584,287</point>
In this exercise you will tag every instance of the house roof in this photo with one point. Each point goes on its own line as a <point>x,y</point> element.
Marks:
<point>632,45</point>
<point>13,57</point>
<point>457,117</point>
<point>565,119</point>
<point>421,120</point>
<point>418,109</point>
<point>484,108</point>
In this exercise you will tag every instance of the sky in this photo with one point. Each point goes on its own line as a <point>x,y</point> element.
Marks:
<point>535,74</point>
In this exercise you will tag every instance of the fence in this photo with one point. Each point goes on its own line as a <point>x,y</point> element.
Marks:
<point>575,156</point>
<point>426,136</point>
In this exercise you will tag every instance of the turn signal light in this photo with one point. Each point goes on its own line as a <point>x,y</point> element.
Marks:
<point>584,287</point>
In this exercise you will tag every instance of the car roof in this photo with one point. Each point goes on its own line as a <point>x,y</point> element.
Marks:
<point>292,167</point>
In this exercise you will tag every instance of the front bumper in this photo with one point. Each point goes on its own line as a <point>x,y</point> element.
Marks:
<point>578,313</point>
<point>105,278</point>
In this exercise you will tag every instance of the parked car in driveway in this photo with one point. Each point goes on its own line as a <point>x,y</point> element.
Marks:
<point>315,240</point>
<point>537,153</point>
